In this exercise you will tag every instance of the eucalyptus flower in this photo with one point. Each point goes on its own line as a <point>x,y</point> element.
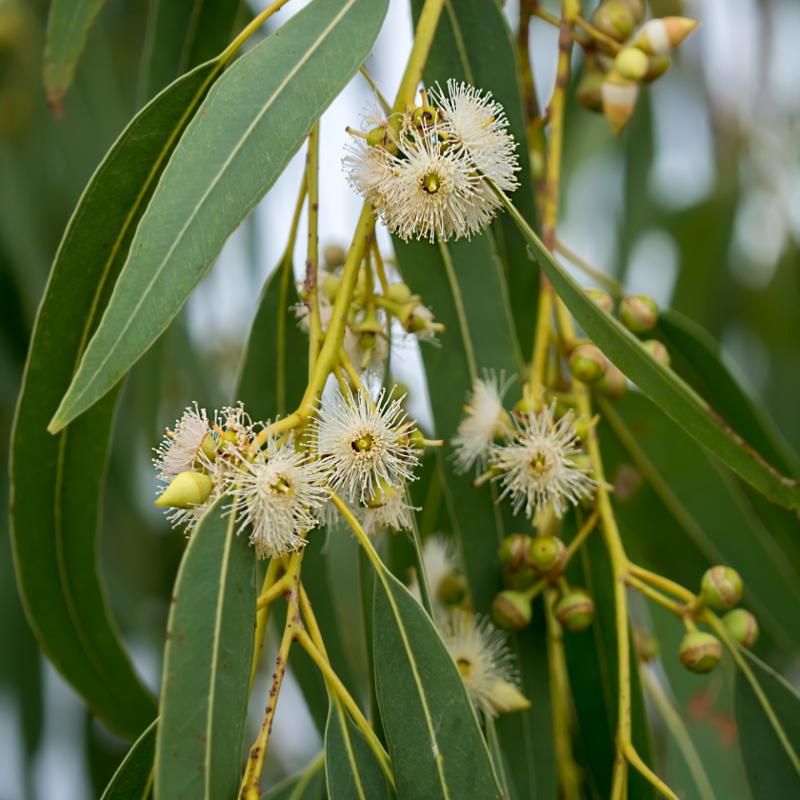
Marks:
<point>182,446</point>
<point>388,508</point>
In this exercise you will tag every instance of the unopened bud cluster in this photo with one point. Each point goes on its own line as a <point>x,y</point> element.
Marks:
<point>642,54</point>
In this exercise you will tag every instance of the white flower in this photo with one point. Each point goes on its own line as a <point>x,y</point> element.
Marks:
<point>538,467</point>
<point>434,191</point>
<point>440,562</point>
<point>365,446</point>
<point>479,124</point>
<point>278,493</point>
<point>366,351</point>
<point>482,657</point>
<point>237,429</point>
<point>388,510</point>
<point>485,420</point>
<point>182,447</point>
<point>367,168</point>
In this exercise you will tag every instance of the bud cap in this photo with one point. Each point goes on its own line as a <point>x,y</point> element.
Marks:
<point>575,610</point>
<point>743,626</point>
<point>721,588</point>
<point>700,652</point>
<point>512,610</point>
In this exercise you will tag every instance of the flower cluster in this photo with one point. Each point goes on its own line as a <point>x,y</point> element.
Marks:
<point>427,172</point>
<point>534,455</point>
<point>278,485</point>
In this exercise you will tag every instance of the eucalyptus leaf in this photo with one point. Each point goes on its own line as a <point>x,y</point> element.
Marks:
<point>206,676</point>
<point>253,120</point>
<point>133,779</point>
<point>659,383</point>
<point>435,745</point>
<point>307,785</point>
<point>57,480</point>
<point>351,770</point>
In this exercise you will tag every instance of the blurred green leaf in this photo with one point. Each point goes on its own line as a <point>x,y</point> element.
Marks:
<point>662,385</point>
<point>182,34</point>
<point>773,766</point>
<point>133,779</point>
<point>435,743</point>
<point>207,658</point>
<point>308,785</point>
<point>55,540</point>
<point>67,27</point>
<point>351,769</point>
<point>253,120</point>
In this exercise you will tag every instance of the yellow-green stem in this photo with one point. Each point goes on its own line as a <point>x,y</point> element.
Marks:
<point>231,50</point>
<point>312,252</point>
<point>655,595</point>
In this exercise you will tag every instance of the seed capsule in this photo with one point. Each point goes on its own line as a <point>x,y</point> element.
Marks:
<point>575,610</point>
<point>743,627</point>
<point>546,554</point>
<point>512,610</point>
<point>638,313</point>
<point>700,652</point>
<point>721,588</point>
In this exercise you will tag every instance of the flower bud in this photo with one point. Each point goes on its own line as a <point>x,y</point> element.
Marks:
<point>721,588</point>
<point>512,610</point>
<point>209,446</point>
<point>638,313</point>
<point>601,299</point>
<point>546,554</point>
<point>519,579</point>
<point>700,652</point>
<point>513,550</point>
<point>589,91</point>
<point>658,351</point>
<point>631,63</point>
<point>399,293</point>
<point>330,285</point>
<point>334,256</point>
<point>656,67</point>
<point>452,589</point>
<point>614,19</point>
<point>619,99</point>
<point>587,363</point>
<point>743,626</point>
<point>504,697</point>
<point>658,36</point>
<point>645,644</point>
<point>636,8</point>
<point>377,137</point>
<point>575,610</point>
<point>526,405</point>
<point>613,384</point>
<point>186,489</point>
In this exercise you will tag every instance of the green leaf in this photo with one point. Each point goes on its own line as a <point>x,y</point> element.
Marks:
<point>182,34</point>
<point>133,779</point>
<point>351,770</point>
<point>57,480</point>
<point>436,747</point>
<point>205,683</point>
<point>773,766</point>
<point>254,119</point>
<point>308,785</point>
<point>68,24</point>
<point>660,384</point>
<point>697,358</point>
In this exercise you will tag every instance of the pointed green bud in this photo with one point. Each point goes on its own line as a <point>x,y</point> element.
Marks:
<point>700,652</point>
<point>638,313</point>
<point>186,489</point>
<point>631,63</point>
<point>512,610</point>
<point>721,588</point>
<point>209,446</point>
<point>743,626</point>
<point>546,554</point>
<point>587,363</point>
<point>575,610</point>
<point>504,697</point>
<point>334,256</point>
<point>601,299</point>
<point>658,351</point>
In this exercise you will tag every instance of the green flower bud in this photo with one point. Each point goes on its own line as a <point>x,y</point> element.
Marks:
<point>399,293</point>
<point>601,299</point>
<point>334,256</point>
<point>590,89</point>
<point>575,610</point>
<point>613,383</point>
<point>452,589</point>
<point>615,19</point>
<point>743,626</point>
<point>186,489</point>
<point>700,652</point>
<point>658,351</point>
<point>330,285</point>
<point>587,363</point>
<point>636,8</point>
<point>519,579</point>
<point>546,554</point>
<point>377,137</point>
<point>209,446</point>
<point>638,313</point>
<point>512,610</point>
<point>527,405</point>
<point>631,63</point>
<point>656,67</point>
<point>513,550</point>
<point>721,588</point>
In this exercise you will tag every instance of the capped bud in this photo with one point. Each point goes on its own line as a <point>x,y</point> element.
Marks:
<point>631,63</point>
<point>656,67</point>
<point>377,137</point>
<point>514,550</point>
<point>589,89</point>
<point>334,256</point>
<point>521,578</point>
<point>186,489</point>
<point>619,99</point>
<point>743,626</point>
<point>658,36</point>
<point>638,313</point>
<point>330,285</point>
<point>636,8</point>
<point>209,446</point>
<point>658,351</point>
<point>613,384</point>
<point>512,610</point>
<point>587,363</point>
<point>452,589</point>
<point>399,293</point>
<point>575,610</point>
<point>546,554</point>
<point>645,644</point>
<point>700,652</point>
<point>721,588</point>
<point>601,299</point>
<point>614,19</point>
<point>504,697</point>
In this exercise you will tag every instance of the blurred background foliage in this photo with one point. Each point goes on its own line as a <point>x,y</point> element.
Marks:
<point>697,204</point>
